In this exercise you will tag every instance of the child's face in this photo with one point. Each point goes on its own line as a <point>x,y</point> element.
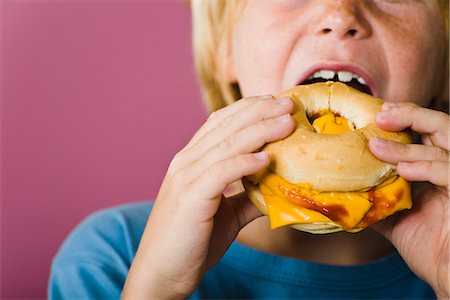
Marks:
<point>398,44</point>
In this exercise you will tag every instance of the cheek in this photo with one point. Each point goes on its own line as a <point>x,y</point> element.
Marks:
<point>416,59</point>
<point>255,68</point>
<point>258,54</point>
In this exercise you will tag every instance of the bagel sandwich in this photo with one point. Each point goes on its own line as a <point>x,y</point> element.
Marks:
<point>322,178</point>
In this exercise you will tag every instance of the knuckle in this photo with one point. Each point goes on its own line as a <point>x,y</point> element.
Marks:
<point>256,99</point>
<point>224,167</point>
<point>400,149</point>
<point>412,105</point>
<point>175,163</point>
<point>228,143</point>
<point>178,157</point>
<point>442,154</point>
<point>263,104</point>
<point>427,166</point>
<point>250,100</point>
<point>444,119</point>
<point>402,108</point>
<point>224,123</point>
<point>183,155</point>
<point>240,161</point>
<point>181,177</point>
<point>407,109</point>
<point>212,116</point>
<point>215,170</point>
<point>408,105</point>
<point>261,127</point>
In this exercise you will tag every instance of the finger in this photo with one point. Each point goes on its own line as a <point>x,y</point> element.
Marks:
<point>247,140</point>
<point>259,110</point>
<point>385,227</point>
<point>426,139</point>
<point>399,116</point>
<point>233,189</point>
<point>244,209</point>
<point>214,179</point>
<point>436,172</point>
<point>217,116</point>
<point>235,212</point>
<point>394,152</point>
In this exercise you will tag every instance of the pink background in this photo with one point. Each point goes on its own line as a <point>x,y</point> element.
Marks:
<point>97,96</point>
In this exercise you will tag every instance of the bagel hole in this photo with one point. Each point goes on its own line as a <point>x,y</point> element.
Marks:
<point>330,122</point>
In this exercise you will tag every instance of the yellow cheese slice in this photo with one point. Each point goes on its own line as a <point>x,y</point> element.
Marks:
<point>387,200</point>
<point>328,123</point>
<point>282,212</point>
<point>289,204</point>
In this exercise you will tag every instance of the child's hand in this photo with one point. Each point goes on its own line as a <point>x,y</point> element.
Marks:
<point>421,235</point>
<point>191,224</point>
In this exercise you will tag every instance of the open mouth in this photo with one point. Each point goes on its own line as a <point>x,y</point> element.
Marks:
<point>347,77</point>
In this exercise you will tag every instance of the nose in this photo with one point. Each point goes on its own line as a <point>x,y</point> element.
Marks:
<point>344,19</point>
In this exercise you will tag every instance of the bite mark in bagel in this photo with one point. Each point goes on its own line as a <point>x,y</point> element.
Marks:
<point>323,178</point>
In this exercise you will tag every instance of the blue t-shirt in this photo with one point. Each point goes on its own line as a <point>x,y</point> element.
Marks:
<point>94,260</point>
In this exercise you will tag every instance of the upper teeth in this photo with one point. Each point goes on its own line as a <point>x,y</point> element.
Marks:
<point>344,76</point>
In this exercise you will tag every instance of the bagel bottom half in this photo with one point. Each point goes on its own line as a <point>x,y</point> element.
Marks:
<point>322,178</point>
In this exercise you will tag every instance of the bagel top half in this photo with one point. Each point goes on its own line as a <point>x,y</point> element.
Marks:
<point>323,178</point>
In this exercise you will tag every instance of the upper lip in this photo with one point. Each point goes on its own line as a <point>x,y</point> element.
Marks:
<point>340,67</point>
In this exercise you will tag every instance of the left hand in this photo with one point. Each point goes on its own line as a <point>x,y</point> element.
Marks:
<point>421,235</point>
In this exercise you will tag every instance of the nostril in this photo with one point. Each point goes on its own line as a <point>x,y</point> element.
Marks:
<point>350,31</point>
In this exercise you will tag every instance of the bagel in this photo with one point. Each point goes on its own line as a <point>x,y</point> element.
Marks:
<point>322,178</point>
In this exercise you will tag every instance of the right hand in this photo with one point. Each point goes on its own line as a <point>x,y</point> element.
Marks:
<point>191,224</point>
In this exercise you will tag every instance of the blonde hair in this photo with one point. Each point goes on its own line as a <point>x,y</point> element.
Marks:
<point>212,27</point>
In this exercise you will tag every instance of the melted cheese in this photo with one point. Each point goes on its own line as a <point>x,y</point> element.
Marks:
<point>298,204</point>
<point>328,123</point>
<point>387,200</point>
<point>289,204</point>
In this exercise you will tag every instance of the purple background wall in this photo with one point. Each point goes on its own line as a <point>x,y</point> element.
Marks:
<point>97,96</point>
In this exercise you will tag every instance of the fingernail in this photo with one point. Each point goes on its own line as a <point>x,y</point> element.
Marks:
<point>283,101</point>
<point>383,114</point>
<point>381,143</point>
<point>284,118</point>
<point>263,155</point>
<point>266,97</point>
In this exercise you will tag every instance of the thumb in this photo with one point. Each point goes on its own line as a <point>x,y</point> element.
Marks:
<point>385,227</point>
<point>235,212</point>
<point>244,209</point>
